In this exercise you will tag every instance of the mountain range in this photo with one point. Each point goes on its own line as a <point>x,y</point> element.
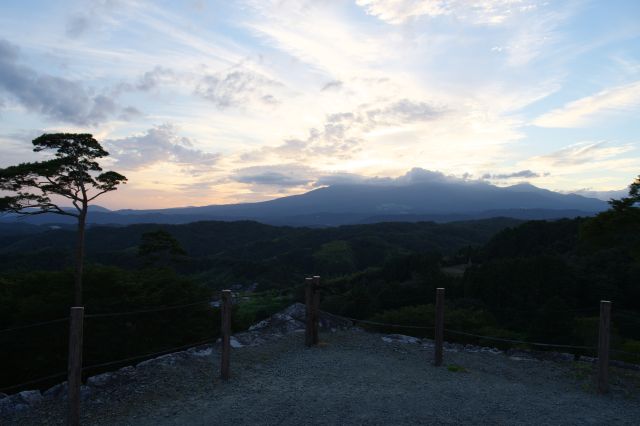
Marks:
<point>438,201</point>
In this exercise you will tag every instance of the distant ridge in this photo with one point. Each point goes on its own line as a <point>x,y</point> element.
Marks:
<point>439,201</point>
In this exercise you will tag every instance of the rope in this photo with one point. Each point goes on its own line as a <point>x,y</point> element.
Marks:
<point>41,379</point>
<point>38,324</point>
<point>150,355</point>
<point>564,311</point>
<point>378,323</point>
<point>106,364</point>
<point>500,339</point>
<point>637,354</point>
<point>144,311</point>
<point>626,314</point>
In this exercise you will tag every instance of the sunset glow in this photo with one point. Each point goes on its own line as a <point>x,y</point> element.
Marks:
<point>207,102</point>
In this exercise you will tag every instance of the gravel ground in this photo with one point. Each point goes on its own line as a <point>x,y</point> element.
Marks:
<point>353,377</point>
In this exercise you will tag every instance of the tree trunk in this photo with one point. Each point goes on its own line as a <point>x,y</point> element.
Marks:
<point>79,257</point>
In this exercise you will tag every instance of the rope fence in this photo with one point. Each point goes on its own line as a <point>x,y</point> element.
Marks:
<point>522,342</point>
<point>145,311</point>
<point>110,363</point>
<point>312,301</point>
<point>43,379</point>
<point>37,324</point>
<point>382,324</point>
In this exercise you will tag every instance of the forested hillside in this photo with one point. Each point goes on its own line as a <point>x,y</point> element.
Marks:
<point>537,281</point>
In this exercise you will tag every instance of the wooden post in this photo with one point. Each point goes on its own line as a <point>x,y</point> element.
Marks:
<point>225,334</point>
<point>316,309</point>
<point>603,346</point>
<point>74,379</point>
<point>308,299</point>
<point>439,329</point>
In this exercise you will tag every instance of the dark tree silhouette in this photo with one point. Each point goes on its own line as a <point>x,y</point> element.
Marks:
<point>73,174</point>
<point>631,201</point>
<point>159,247</point>
<point>619,226</point>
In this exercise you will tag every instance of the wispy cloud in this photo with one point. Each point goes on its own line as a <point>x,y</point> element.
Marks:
<point>581,112</point>
<point>349,89</point>
<point>522,174</point>
<point>238,87</point>
<point>582,153</point>
<point>474,11</point>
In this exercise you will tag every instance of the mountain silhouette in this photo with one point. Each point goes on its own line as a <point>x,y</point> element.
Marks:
<point>441,201</point>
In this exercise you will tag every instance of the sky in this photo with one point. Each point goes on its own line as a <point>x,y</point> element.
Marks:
<point>212,102</point>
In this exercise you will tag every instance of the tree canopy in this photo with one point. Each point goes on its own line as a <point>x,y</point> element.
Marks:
<point>73,173</point>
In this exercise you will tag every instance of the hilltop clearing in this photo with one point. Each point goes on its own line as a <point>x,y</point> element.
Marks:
<point>352,377</point>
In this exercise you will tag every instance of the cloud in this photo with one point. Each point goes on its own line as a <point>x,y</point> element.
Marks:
<point>129,113</point>
<point>77,25</point>
<point>601,195</point>
<point>403,111</point>
<point>341,178</point>
<point>295,176</point>
<point>332,85</point>
<point>159,144</point>
<point>92,15</point>
<point>582,153</point>
<point>477,12</point>
<point>282,175</point>
<point>581,112</point>
<point>55,97</point>
<point>342,134</point>
<point>151,79</point>
<point>237,88</point>
<point>526,174</point>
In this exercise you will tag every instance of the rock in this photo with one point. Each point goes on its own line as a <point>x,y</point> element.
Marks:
<point>85,392</point>
<point>168,359</point>
<point>293,319</point>
<point>30,397</point>
<point>400,338</point>
<point>471,348</point>
<point>200,351</point>
<point>127,371</point>
<point>3,395</point>
<point>56,392</point>
<point>559,356</point>
<point>520,355</point>
<point>20,401</point>
<point>235,343</point>
<point>329,321</point>
<point>285,322</point>
<point>622,364</point>
<point>296,311</point>
<point>101,379</point>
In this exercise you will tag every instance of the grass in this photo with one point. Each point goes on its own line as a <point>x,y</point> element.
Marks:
<point>456,368</point>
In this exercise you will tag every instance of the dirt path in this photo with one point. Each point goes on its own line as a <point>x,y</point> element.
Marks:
<point>354,378</point>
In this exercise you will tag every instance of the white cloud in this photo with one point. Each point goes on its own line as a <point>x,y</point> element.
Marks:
<point>160,144</point>
<point>475,11</point>
<point>582,153</point>
<point>581,112</point>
